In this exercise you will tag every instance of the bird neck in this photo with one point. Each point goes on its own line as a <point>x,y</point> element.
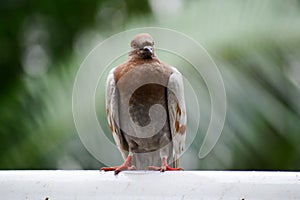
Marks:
<point>135,54</point>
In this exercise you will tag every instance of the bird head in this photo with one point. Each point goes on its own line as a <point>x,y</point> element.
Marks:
<point>142,46</point>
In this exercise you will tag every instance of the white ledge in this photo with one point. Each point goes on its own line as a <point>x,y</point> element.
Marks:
<point>149,185</point>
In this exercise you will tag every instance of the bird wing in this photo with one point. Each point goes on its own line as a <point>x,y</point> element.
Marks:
<point>112,112</point>
<point>177,113</point>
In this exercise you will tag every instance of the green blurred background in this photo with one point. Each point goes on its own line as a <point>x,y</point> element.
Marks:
<point>256,45</point>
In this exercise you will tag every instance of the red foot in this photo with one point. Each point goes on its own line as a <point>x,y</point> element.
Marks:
<point>164,167</point>
<point>118,169</point>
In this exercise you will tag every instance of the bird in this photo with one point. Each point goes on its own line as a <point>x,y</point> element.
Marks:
<point>145,110</point>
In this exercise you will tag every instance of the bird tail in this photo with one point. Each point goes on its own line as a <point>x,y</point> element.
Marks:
<point>175,162</point>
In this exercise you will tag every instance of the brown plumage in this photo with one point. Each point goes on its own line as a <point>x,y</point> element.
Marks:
<point>146,110</point>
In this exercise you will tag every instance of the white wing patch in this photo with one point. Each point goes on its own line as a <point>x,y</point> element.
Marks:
<point>177,112</point>
<point>112,111</point>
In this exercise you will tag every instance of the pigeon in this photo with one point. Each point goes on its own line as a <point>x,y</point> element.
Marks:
<point>145,109</point>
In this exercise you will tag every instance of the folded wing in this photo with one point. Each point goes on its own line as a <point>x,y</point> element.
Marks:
<point>177,113</point>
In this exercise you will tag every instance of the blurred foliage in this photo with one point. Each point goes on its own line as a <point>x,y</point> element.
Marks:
<point>256,45</point>
<point>37,39</point>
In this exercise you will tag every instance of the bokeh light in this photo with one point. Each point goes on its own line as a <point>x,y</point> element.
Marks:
<point>255,44</point>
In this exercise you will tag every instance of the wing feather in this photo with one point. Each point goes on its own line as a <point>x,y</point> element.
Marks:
<point>112,112</point>
<point>177,113</point>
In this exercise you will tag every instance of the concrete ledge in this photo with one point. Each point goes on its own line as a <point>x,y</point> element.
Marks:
<point>148,185</point>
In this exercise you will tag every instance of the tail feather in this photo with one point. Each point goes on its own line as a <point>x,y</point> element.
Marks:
<point>175,162</point>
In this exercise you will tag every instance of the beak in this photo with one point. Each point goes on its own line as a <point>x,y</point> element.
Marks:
<point>148,49</point>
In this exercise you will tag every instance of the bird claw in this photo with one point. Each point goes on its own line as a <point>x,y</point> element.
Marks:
<point>118,169</point>
<point>123,167</point>
<point>164,168</point>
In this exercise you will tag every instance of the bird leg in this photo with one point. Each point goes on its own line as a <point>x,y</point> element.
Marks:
<point>164,166</point>
<point>124,166</point>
